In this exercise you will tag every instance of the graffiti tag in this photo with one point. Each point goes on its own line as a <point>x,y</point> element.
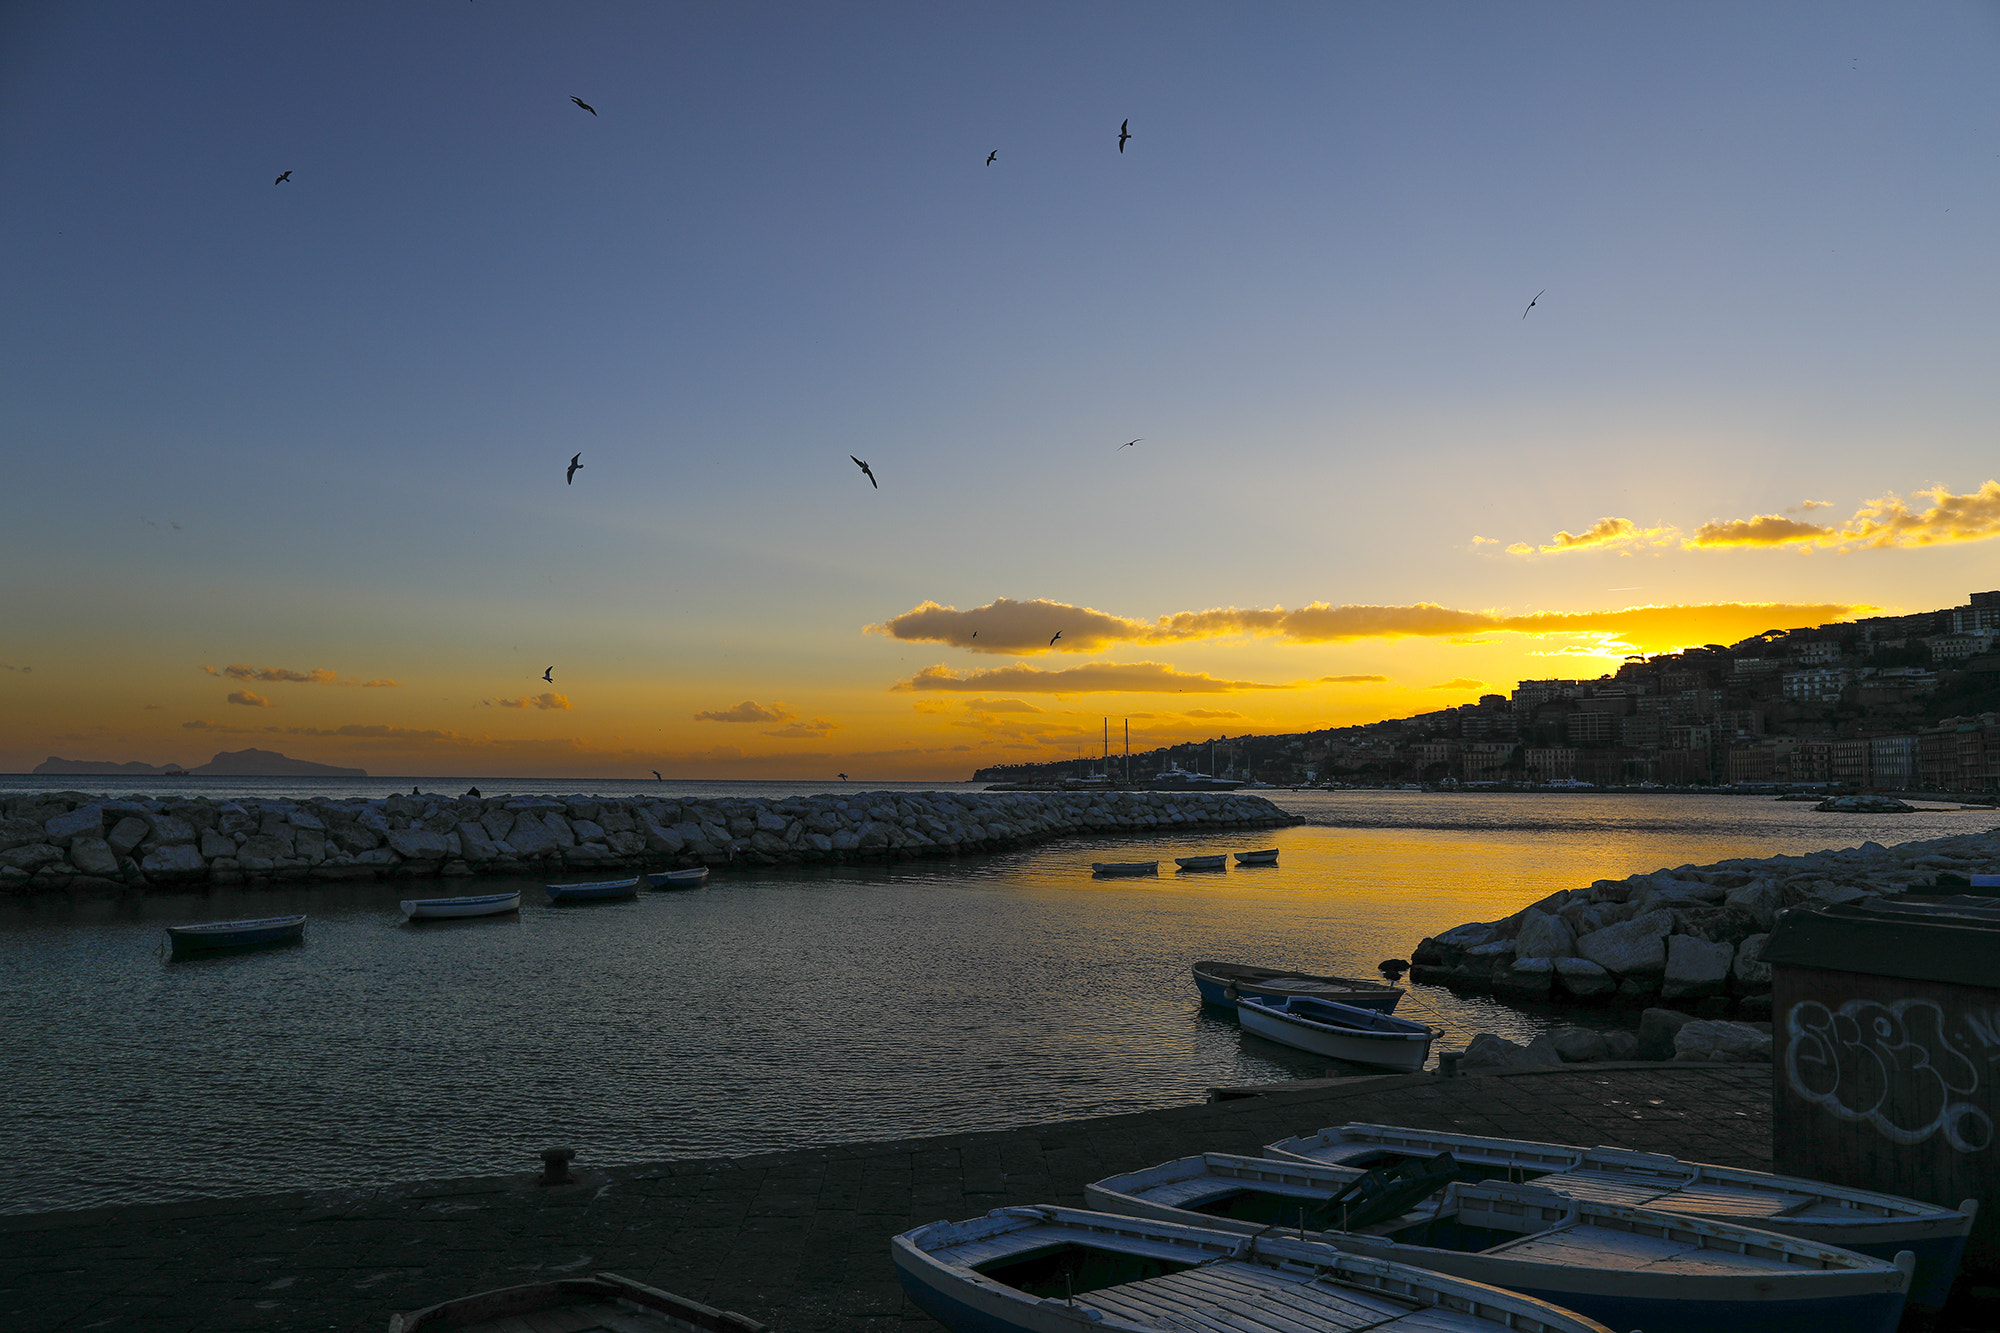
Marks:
<point>1892,1066</point>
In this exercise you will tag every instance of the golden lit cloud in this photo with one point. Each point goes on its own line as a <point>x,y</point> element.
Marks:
<point>1352,680</point>
<point>1650,628</point>
<point>1104,677</point>
<point>1210,713</point>
<point>1807,506</point>
<point>544,701</point>
<point>274,675</point>
<point>816,730</point>
<point>1605,534</point>
<point>1887,522</point>
<point>748,711</point>
<point>1460,683</point>
<point>248,699</point>
<point>1011,627</point>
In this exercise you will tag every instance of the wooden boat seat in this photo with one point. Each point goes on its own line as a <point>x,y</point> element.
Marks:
<point>1592,1247</point>
<point>1232,1295</point>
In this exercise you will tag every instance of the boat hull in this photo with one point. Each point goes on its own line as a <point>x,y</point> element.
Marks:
<point>445,909</point>
<point>1221,983</point>
<point>1113,869</point>
<point>1624,1267</point>
<point>678,879</point>
<point>1267,857</point>
<point>1357,1036</point>
<point>1863,1221</point>
<point>1202,862</point>
<point>601,891</point>
<point>214,935</point>
<point>1201,1278</point>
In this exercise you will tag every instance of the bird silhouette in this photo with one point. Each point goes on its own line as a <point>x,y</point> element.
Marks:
<point>1129,443</point>
<point>569,477</point>
<point>549,676</point>
<point>656,773</point>
<point>1531,304</point>
<point>990,156</point>
<point>585,105</point>
<point>1123,133</point>
<point>1054,637</point>
<point>282,179</point>
<point>975,634</point>
<point>841,776</point>
<point>869,471</point>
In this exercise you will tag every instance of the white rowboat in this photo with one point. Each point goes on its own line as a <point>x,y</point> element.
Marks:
<point>678,879</point>
<point>478,904</point>
<point>1060,1270</point>
<point>1339,1031</point>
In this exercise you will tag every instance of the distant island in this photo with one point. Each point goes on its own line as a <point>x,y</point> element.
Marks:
<point>227,764</point>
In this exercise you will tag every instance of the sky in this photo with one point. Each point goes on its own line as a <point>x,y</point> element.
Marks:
<point>285,462</point>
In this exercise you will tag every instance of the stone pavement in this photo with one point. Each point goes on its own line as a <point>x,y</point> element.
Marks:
<point>797,1239</point>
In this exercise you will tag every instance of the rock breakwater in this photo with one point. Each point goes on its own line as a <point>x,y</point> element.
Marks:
<point>1691,937</point>
<point>65,840</point>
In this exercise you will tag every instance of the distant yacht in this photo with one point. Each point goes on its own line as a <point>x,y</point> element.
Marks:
<point>1173,778</point>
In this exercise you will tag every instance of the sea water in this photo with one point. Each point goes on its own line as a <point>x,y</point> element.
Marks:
<point>774,1008</point>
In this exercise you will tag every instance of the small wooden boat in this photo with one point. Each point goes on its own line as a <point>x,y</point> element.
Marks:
<point>1221,983</point>
<point>1202,862</point>
<point>593,892</point>
<point>1058,1270</point>
<point>1880,1225</point>
<point>478,904</point>
<point>1267,857</point>
<point>678,879</point>
<point>1339,1031</point>
<point>576,1305</point>
<point>1124,867</point>
<point>237,934</point>
<point>1625,1267</point>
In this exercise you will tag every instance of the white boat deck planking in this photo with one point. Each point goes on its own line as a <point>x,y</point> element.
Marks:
<point>1583,1245</point>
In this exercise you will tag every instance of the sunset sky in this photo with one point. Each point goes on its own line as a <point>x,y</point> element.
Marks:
<point>285,463</point>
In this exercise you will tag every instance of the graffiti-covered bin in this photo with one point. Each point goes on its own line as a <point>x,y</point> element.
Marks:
<point>1885,1018</point>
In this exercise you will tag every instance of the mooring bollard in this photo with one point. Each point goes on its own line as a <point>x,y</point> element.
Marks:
<point>1448,1063</point>
<point>555,1166</point>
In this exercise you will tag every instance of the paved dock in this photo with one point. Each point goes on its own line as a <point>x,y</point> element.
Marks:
<point>799,1240</point>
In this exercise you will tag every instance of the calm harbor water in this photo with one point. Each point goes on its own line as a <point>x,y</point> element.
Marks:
<point>772,1009</point>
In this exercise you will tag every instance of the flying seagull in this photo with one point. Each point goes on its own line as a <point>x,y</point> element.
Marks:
<point>549,676</point>
<point>656,773</point>
<point>569,477</point>
<point>1531,304</point>
<point>975,634</point>
<point>841,776</point>
<point>865,468</point>
<point>282,179</point>
<point>585,105</point>
<point>1129,443</point>
<point>990,156</point>
<point>1123,133</point>
<point>1054,637</point>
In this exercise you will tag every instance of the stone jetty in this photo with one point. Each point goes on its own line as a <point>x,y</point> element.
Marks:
<point>1691,937</point>
<point>70,840</point>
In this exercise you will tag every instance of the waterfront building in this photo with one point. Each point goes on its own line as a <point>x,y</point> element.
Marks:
<point>1892,761</point>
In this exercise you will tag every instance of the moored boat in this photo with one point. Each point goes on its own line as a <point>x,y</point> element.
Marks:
<point>1124,867</point>
<point>1220,862</point>
<point>1222,983</point>
<point>1339,1031</point>
<point>678,879</point>
<point>237,934</point>
<point>478,904</point>
<point>1878,1225</point>
<point>1267,857</point>
<point>605,1301</point>
<point>595,891</point>
<point>1057,1270</point>
<point>1626,1267</point>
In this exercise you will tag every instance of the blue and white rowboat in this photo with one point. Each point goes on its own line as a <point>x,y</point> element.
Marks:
<point>678,879</point>
<point>478,904</point>
<point>1267,857</point>
<point>237,934</point>
<point>595,891</point>
<point>1339,1031</point>
<point>1880,1225</point>
<point>1629,1268</point>
<point>1224,983</point>
<point>1062,1270</point>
